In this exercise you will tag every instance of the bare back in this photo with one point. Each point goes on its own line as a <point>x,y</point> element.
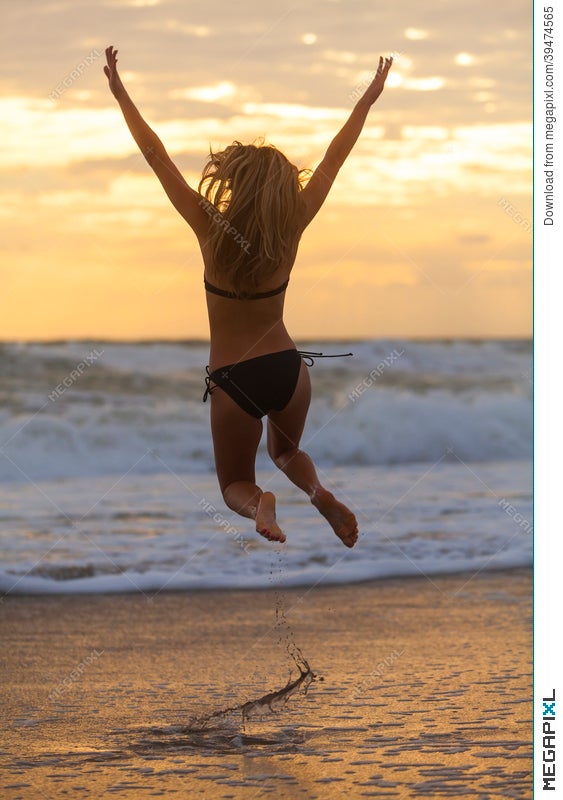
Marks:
<point>243,329</point>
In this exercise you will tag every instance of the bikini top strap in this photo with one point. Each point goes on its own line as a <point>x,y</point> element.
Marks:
<point>233,296</point>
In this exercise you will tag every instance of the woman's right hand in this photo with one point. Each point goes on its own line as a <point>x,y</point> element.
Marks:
<point>111,73</point>
<point>376,86</point>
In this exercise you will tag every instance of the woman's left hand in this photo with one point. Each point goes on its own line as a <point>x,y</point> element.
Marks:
<point>111,73</point>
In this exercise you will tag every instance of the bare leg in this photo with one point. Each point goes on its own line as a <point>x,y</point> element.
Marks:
<point>236,436</point>
<point>284,433</point>
<point>266,518</point>
<point>339,516</point>
<point>301,471</point>
<point>248,500</point>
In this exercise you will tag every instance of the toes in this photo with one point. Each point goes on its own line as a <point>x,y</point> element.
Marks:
<point>350,537</point>
<point>271,536</point>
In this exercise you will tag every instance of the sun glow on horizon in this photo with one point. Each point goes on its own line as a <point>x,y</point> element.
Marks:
<point>415,219</point>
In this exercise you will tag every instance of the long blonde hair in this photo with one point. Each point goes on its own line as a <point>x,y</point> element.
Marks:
<point>255,189</point>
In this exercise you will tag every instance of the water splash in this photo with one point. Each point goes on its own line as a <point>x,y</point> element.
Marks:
<point>270,702</point>
<point>286,634</point>
<point>224,730</point>
<point>273,701</point>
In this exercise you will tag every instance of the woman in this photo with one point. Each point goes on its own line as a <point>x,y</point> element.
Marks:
<point>248,216</point>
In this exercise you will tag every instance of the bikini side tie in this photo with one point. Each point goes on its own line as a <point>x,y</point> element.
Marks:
<point>309,357</point>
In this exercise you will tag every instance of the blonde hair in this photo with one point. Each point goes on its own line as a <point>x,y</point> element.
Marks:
<point>255,189</point>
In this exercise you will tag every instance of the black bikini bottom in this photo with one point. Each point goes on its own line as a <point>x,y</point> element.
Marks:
<point>262,384</point>
<point>258,385</point>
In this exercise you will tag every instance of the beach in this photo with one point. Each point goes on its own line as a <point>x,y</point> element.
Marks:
<point>155,646</point>
<point>418,687</point>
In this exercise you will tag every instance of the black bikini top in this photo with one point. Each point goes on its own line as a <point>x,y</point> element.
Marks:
<point>233,296</point>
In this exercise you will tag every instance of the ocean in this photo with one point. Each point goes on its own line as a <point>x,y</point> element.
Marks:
<point>107,481</point>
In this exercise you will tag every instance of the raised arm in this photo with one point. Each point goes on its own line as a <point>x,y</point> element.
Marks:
<point>184,199</point>
<point>319,184</point>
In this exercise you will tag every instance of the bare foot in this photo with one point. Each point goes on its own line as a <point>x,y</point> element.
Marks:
<point>266,524</point>
<point>341,519</point>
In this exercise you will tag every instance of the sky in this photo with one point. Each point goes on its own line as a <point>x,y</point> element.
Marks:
<point>427,230</point>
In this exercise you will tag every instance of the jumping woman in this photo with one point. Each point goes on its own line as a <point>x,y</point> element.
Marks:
<point>250,210</point>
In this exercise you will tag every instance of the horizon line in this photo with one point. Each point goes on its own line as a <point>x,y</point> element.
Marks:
<point>342,339</point>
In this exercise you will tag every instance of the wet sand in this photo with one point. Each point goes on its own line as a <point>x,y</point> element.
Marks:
<point>419,688</point>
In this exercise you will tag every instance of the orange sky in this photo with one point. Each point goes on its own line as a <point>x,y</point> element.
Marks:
<point>427,231</point>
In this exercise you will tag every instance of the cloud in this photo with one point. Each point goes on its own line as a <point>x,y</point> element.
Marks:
<point>474,238</point>
<point>451,133</point>
<point>415,34</point>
